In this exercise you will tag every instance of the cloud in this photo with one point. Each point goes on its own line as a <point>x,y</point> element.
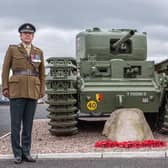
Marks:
<point>58,22</point>
<point>81,14</point>
<point>56,42</point>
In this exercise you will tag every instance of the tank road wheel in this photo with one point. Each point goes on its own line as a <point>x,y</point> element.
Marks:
<point>163,116</point>
<point>63,131</point>
<point>61,110</point>
<point>62,96</point>
<point>62,116</point>
<point>63,123</point>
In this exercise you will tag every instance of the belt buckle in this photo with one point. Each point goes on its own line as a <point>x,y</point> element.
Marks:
<point>29,72</point>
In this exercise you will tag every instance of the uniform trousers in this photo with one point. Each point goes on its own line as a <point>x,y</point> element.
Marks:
<point>22,113</point>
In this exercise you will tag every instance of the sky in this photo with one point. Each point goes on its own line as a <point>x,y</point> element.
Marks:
<point>58,22</point>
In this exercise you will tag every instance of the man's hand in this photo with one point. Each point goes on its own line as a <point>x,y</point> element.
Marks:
<point>5,92</point>
<point>42,95</point>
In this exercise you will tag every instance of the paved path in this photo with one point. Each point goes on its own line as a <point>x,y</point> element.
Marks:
<point>90,163</point>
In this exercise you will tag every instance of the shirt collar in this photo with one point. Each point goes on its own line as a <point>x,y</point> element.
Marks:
<point>26,46</point>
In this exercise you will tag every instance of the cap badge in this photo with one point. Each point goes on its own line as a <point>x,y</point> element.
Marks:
<point>27,27</point>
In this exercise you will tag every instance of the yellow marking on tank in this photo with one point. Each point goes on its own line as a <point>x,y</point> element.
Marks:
<point>92,105</point>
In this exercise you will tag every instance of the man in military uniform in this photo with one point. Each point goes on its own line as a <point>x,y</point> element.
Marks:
<point>23,88</point>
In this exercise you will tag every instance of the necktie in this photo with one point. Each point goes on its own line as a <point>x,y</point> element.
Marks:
<point>28,50</point>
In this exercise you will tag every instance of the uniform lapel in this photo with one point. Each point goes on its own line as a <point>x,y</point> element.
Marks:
<point>22,49</point>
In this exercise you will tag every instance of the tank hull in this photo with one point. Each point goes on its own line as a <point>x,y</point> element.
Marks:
<point>104,97</point>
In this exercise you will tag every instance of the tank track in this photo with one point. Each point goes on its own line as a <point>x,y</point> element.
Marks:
<point>162,124</point>
<point>62,95</point>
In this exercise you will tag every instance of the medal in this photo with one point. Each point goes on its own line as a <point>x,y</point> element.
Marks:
<point>35,58</point>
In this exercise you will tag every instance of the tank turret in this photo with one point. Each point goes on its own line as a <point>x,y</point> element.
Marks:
<point>99,45</point>
<point>118,44</point>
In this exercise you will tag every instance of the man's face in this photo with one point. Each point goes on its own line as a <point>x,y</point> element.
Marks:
<point>26,37</point>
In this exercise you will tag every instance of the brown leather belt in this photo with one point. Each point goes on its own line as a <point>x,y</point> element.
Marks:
<point>27,72</point>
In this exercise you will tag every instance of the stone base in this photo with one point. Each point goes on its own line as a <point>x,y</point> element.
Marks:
<point>127,124</point>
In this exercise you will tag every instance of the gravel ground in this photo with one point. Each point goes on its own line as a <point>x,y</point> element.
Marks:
<point>89,133</point>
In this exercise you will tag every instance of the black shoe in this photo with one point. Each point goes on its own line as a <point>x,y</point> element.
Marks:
<point>18,160</point>
<point>28,158</point>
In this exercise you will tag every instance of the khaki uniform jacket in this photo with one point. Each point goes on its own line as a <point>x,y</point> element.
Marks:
<point>23,86</point>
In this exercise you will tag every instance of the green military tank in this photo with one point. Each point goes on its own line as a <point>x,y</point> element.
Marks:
<point>110,71</point>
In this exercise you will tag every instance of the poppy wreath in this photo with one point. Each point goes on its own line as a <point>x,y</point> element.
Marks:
<point>130,144</point>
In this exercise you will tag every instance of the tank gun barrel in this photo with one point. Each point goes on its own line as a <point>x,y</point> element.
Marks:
<point>117,44</point>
